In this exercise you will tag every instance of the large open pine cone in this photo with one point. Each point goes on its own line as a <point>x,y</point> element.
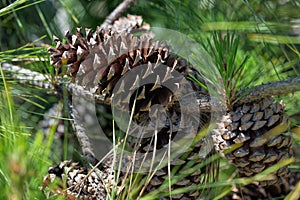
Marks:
<point>97,61</point>
<point>258,129</point>
<point>109,62</point>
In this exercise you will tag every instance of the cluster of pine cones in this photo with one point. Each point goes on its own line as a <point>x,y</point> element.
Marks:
<point>251,134</point>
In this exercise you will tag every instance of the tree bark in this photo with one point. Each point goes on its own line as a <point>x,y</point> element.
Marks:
<point>270,89</point>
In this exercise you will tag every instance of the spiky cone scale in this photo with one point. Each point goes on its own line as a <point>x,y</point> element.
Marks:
<point>77,182</point>
<point>76,49</point>
<point>78,45</point>
<point>258,130</point>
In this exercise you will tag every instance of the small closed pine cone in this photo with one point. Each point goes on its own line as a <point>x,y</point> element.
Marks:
<point>258,128</point>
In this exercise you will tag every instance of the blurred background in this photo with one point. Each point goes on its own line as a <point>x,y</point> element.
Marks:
<point>269,33</point>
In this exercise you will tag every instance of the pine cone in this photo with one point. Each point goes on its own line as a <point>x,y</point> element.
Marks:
<point>116,58</point>
<point>99,65</point>
<point>77,182</point>
<point>258,127</point>
<point>189,173</point>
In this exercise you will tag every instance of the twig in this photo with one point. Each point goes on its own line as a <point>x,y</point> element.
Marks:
<point>270,89</point>
<point>79,91</point>
<point>116,13</point>
<point>81,134</point>
<point>26,76</point>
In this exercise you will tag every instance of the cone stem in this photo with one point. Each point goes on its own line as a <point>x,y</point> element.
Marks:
<point>270,89</point>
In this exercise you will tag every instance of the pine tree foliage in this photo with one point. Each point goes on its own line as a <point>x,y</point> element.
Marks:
<point>252,42</point>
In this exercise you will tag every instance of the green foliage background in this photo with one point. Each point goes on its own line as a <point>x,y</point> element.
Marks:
<point>269,41</point>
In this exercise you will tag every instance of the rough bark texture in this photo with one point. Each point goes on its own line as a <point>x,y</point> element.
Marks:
<point>270,89</point>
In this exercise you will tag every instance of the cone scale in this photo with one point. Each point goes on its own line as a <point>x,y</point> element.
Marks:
<point>258,130</point>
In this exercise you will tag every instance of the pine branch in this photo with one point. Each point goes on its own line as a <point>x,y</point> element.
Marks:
<point>270,89</point>
<point>79,91</point>
<point>116,13</point>
<point>26,76</point>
